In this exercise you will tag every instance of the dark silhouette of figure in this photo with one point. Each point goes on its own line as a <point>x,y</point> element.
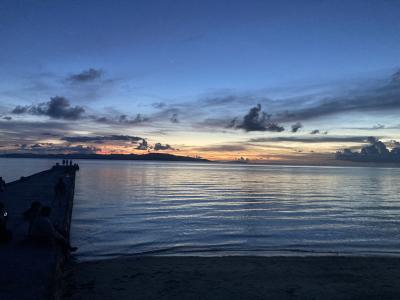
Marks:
<point>59,188</point>
<point>32,213</point>
<point>5,234</point>
<point>70,163</point>
<point>2,185</point>
<point>44,232</point>
<point>63,162</point>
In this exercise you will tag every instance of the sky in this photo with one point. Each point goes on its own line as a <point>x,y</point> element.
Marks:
<point>284,81</point>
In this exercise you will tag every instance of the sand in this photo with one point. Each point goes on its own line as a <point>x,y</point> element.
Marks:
<point>235,277</point>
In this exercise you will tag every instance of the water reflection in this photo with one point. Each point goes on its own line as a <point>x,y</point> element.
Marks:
<point>186,208</point>
<point>147,207</point>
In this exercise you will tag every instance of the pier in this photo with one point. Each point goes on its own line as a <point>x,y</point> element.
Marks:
<point>28,270</point>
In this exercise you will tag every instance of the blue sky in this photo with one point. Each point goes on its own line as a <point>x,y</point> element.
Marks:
<point>166,59</point>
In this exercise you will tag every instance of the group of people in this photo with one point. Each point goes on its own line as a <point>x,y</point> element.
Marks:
<point>67,162</point>
<point>41,229</point>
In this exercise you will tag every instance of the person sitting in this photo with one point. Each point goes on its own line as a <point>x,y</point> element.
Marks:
<point>5,234</point>
<point>32,213</point>
<point>43,231</point>
<point>59,188</point>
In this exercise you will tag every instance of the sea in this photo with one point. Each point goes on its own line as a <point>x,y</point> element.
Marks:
<point>214,209</point>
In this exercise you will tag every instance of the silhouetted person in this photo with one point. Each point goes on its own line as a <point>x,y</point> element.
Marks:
<point>44,232</point>
<point>2,185</point>
<point>63,162</point>
<point>32,213</point>
<point>59,188</point>
<point>5,234</point>
<point>70,163</point>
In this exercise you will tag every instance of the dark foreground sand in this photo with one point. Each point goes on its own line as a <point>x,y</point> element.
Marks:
<point>235,278</point>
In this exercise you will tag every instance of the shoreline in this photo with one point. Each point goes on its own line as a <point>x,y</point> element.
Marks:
<point>235,277</point>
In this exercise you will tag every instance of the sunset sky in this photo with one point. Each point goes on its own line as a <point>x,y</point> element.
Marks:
<point>265,80</point>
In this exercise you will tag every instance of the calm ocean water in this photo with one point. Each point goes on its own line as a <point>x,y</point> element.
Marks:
<point>124,208</point>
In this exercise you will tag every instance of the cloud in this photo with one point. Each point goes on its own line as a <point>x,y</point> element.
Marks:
<point>378,126</point>
<point>319,102</point>
<point>296,127</point>
<point>120,120</point>
<point>57,108</point>
<point>376,98</point>
<point>86,76</point>
<point>174,118</point>
<point>20,110</point>
<point>318,139</point>
<point>222,148</point>
<point>143,145</point>
<point>99,139</point>
<point>7,118</point>
<point>376,152</point>
<point>256,120</point>
<point>60,108</point>
<point>315,131</point>
<point>159,146</point>
<point>159,105</point>
<point>18,132</point>
<point>48,148</point>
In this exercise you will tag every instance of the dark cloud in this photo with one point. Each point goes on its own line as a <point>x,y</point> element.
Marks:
<point>86,76</point>
<point>174,118</point>
<point>56,108</point>
<point>315,131</point>
<point>120,120</point>
<point>296,127</point>
<point>143,145</point>
<point>256,120</point>
<point>223,148</point>
<point>99,139</point>
<point>20,109</point>
<point>376,152</point>
<point>159,105</point>
<point>159,146</point>
<point>7,118</point>
<point>317,139</point>
<point>50,148</point>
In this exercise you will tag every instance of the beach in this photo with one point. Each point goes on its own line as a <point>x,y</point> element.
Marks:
<point>234,277</point>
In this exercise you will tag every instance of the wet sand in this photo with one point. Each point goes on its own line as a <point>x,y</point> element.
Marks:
<point>235,277</point>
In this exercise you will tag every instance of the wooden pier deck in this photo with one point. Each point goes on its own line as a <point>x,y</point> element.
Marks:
<point>29,271</point>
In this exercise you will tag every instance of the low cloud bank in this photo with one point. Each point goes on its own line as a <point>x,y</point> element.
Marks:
<point>376,151</point>
<point>100,139</point>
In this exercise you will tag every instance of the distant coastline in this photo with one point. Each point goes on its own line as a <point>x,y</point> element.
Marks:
<point>148,156</point>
